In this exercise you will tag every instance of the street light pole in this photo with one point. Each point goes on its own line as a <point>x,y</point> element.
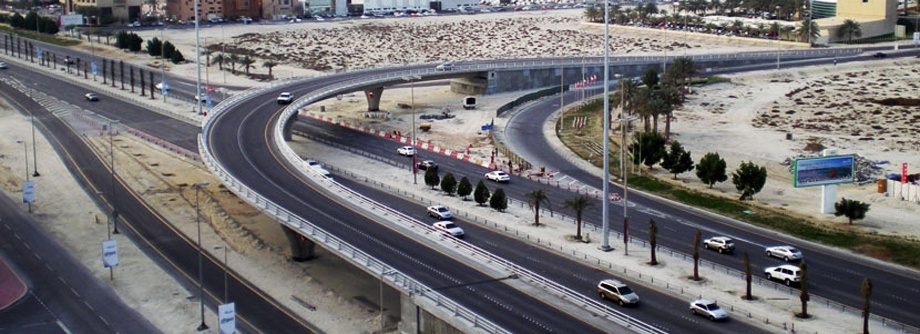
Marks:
<point>25,157</point>
<point>605,206</point>
<point>34,154</point>
<point>198,70</point>
<point>411,80</point>
<point>112,165</point>
<point>226,267</point>
<point>163,83</point>
<point>198,186</point>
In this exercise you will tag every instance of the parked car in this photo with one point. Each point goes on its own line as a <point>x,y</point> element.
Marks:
<point>439,212</point>
<point>406,151</point>
<point>787,273</point>
<point>445,67</point>
<point>91,97</point>
<point>498,176</point>
<point>616,291</point>
<point>285,98</point>
<point>708,308</point>
<point>880,55</point>
<point>787,253</point>
<point>449,228</point>
<point>721,244</point>
<point>427,164</point>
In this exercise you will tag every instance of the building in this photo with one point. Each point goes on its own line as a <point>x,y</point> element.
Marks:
<point>184,10</point>
<point>875,18</point>
<point>110,11</point>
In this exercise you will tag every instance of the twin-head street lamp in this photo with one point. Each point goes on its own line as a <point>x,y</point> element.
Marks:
<point>197,187</point>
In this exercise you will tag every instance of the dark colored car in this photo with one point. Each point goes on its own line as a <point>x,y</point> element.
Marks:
<point>427,164</point>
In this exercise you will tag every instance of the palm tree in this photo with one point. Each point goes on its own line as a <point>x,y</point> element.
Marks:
<point>850,29</point>
<point>233,58</point>
<point>653,240</point>
<point>578,204</point>
<point>696,255</point>
<point>747,276</point>
<point>866,295</point>
<point>535,198</point>
<point>269,64</point>
<point>803,289</point>
<point>808,31</point>
<point>247,63</point>
<point>220,58</point>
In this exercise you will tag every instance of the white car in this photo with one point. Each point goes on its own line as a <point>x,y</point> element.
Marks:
<point>406,150</point>
<point>498,176</point>
<point>316,166</point>
<point>721,244</point>
<point>449,228</point>
<point>786,273</point>
<point>787,253</point>
<point>162,86</point>
<point>285,98</point>
<point>2,65</point>
<point>445,67</point>
<point>707,308</point>
<point>439,212</point>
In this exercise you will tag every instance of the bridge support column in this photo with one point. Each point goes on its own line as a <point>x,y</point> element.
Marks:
<point>288,127</point>
<point>302,249</point>
<point>373,98</point>
<point>415,320</point>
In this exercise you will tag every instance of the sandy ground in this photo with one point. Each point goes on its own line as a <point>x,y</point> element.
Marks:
<point>257,249</point>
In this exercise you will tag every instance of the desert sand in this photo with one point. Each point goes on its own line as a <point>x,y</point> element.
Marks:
<point>257,250</point>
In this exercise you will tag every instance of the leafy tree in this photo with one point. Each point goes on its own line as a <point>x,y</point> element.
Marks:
<point>121,40</point>
<point>448,183</point>
<point>808,30</point>
<point>711,169</point>
<point>535,198</point>
<point>653,240</point>
<point>269,65</point>
<point>234,59</point>
<point>849,29</point>
<point>431,178</point>
<point>465,188</point>
<point>593,14</point>
<point>696,255</point>
<point>866,296</point>
<point>135,42</point>
<point>498,201</point>
<point>154,47</point>
<point>747,276</point>
<point>677,160</point>
<point>648,148</point>
<point>177,57</point>
<point>749,179</point>
<point>481,194</point>
<point>169,50</point>
<point>852,209</point>
<point>803,289</point>
<point>578,204</point>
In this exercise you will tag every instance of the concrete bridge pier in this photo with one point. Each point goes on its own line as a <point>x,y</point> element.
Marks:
<point>288,127</point>
<point>302,249</point>
<point>373,98</point>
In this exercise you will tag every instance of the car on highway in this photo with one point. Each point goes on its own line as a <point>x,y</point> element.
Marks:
<point>316,166</point>
<point>880,55</point>
<point>427,164</point>
<point>440,212</point>
<point>91,97</point>
<point>285,98</point>
<point>406,151</point>
<point>616,291</point>
<point>201,98</point>
<point>787,273</point>
<point>2,65</point>
<point>162,86</point>
<point>498,176</point>
<point>449,228</point>
<point>708,309</point>
<point>445,67</point>
<point>787,253</point>
<point>720,244</point>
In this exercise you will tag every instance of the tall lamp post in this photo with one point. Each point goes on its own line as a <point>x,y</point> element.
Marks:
<point>624,126</point>
<point>226,268</point>
<point>198,70</point>
<point>164,86</point>
<point>778,30</point>
<point>34,154</point>
<point>605,206</point>
<point>25,157</point>
<point>197,187</point>
<point>112,166</point>
<point>411,79</point>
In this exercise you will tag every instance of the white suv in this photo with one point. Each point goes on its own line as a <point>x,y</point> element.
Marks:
<point>786,273</point>
<point>721,244</point>
<point>616,291</point>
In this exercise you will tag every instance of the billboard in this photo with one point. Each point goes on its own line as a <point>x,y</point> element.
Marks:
<point>70,20</point>
<point>824,170</point>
